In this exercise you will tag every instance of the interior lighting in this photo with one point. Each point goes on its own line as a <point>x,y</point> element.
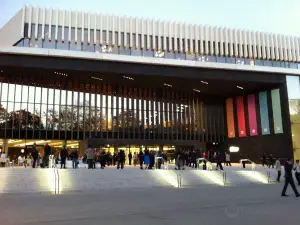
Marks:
<point>61,74</point>
<point>254,176</point>
<point>204,82</point>
<point>169,176</point>
<point>234,149</point>
<point>215,177</point>
<point>239,87</point>
<point>128,78</point>
<point>96,78</point>
<point>168,85</point>
<point>196,90</point>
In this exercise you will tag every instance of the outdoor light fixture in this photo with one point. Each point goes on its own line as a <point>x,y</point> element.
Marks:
<point>239,87</point>
<point>204,82</point>
<point>168,85</point>
<point>234,149</point>
<point>128,78</point>
<point>196,90</point>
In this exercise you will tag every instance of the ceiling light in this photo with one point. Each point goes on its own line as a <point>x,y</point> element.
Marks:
<point>204,82</point>
<point>168,85</point>
<point>234,149</point>
<point>128,78</point>
<point>196,90</point>
<point>1,71</point>
<point>239,87</point>
<point>96,78</point>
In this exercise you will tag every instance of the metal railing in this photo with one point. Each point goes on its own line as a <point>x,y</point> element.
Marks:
<point>179,178</point>
<point>56,179</point>
<point>201,161</point>
<point>163,162</point>
<point>253,164</point>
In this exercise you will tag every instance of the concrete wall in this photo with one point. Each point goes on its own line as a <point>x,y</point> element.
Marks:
<point>13,31</point>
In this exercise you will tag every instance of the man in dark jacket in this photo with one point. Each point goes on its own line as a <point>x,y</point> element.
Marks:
<point>219,160</point>
<point>130,158</point>
<point>63,157</point>
<point>74,157</point>
<point>288,167</point>
<point>121,159</point>
<point>47,153</point>
<point>35,155</point>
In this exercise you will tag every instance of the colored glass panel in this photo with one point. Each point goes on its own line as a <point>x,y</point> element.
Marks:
<point>230,118</point>
<point>276,107</point>
<point>252,115</point>
<point>241,116</point>
<point>264,113</point>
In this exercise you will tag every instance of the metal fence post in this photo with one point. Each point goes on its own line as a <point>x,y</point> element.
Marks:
<point>224,178</point>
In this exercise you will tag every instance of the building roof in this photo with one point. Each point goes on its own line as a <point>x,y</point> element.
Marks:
<point>174,36</point>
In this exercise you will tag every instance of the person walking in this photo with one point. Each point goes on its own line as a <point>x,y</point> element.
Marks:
<point>227,159</point>
<point>278,169</point>
<point>130,158</point>
<point>63,157</point>
<point>288,167</point>
<point>90,156</point>
<point>74,156</point>
<point>141,159</point>
<point>121,159</point>
<point>297,171</point>
<point>219,160</point>
<point>47,153</point>
<point>35,156</point>
<point>264,160</point>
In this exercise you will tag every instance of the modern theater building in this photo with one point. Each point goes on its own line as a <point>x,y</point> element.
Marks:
<point>122,82</point>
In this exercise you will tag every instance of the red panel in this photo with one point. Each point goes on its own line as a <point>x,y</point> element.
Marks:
<point>241,116</point>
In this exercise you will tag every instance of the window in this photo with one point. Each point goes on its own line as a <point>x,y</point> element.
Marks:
<point>62,43</point>
<point>276,64</point>
<point>36,42</point>
<point>191,57</point>
<point>268,63</point>
<point>240,61</point>
<point>26,39</point>
<point>169,55</point>
<point>230,60</point>
<point>179,56</point>
<point>293,66</point>
<point>49,42</point>
<point>124,51</point>
<point>259,62</point>
<point>221,59</point>
<point>88,46</point>
<point>148,53</point>
<point>211,58</point>
<point>75,43</point>
<point>136,52</point>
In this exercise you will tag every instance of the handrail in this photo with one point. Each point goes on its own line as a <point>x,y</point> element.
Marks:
<point>179,175</point>
<point>199,162</point>
<point>253,164</point>
<point>166,166</point>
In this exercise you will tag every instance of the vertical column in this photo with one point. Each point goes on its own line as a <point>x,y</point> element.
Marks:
<point>82,147</point>
<point>5,146</point>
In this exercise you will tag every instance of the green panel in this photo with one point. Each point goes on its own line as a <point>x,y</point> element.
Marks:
<point>276,106</point>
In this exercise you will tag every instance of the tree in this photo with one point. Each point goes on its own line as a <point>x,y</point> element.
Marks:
<point>126,119</point>
<point>24,119</point>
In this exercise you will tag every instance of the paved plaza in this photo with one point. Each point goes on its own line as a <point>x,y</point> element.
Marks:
<point>246,204</point>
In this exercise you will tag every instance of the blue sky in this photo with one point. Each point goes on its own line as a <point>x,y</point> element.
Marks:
<point>264,15</point>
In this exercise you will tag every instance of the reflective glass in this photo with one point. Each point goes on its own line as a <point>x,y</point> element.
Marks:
<point>230,60</point>
<point>124,51</point>
<point>276,64</point>
<point>221,59</point>
<point>293,65</point>
<point>191,57</point>
<point>211,58</point>
<point>170,55</point>
<point>180,56</point>
<point>240,61</point>
<point>293,87</point>
<point>159,54</point>
<point>136,52</point>
<point>11,92</point>
<point>49,43</point>
<point>268,63</point>
<point>62,43</point>
<point>148,53</point>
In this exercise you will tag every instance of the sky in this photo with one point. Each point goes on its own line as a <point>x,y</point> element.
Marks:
<point>276,16</point>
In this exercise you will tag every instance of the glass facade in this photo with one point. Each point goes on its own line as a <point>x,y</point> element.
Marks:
<point>74,109</point>
<point>293,86</point>
<point>76,44</point>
